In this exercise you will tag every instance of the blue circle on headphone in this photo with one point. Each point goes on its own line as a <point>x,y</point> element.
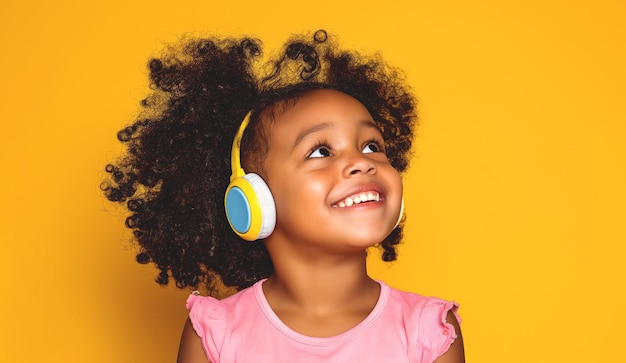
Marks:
<point>238,210</point>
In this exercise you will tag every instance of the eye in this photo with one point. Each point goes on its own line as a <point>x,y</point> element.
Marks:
<point>372,147</point>
<point>320,151</point>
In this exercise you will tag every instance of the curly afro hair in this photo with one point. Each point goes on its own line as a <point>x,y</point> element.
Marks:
<point>177,165</point>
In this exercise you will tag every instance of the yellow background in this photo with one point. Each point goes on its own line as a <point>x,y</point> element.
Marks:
<point>516,197</point>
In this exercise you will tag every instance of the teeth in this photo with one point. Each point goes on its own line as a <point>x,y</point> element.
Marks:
<point>359,198</point>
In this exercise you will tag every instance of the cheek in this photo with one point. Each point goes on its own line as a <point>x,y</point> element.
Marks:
<point>395,183</point>
<point>400,183</point>
<point>315,187</point>
<point>296,194</point>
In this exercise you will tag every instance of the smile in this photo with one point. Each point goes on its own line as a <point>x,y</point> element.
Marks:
<point>358,198</point>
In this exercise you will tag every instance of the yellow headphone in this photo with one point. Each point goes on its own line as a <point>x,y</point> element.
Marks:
<point>401,214</point>
<point>248,201</point>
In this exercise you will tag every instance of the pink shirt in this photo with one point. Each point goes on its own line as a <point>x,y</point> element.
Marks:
<point>402,327</point>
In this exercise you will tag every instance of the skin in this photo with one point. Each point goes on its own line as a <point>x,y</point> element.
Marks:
<point>323,150</point>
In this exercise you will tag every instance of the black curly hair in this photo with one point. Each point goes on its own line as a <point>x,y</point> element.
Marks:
<point>177,165</point>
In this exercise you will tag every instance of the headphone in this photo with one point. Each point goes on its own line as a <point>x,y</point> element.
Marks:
<point>401,214</point>
<point>248,201</point>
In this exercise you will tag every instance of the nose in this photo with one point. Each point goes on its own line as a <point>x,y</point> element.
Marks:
<point>358,163</point>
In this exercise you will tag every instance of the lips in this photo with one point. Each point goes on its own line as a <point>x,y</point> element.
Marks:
<point>358,198</point>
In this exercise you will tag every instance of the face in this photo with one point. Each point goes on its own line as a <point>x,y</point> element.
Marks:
<point>331,181</point>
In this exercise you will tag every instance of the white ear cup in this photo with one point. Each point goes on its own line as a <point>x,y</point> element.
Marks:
<point>266,202</point>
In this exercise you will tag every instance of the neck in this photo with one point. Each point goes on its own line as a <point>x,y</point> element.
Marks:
<point>320,284</point>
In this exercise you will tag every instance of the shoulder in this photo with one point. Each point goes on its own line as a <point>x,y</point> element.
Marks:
<point>421,305</point>
<point>196,302</point>
<point>212,320</point>
<point>208,312</point>
<point>211,308</point>
<point>432,323</point>
<point>205,313</point>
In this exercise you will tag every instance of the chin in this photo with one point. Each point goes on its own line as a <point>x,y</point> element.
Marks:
<point>367,239</point>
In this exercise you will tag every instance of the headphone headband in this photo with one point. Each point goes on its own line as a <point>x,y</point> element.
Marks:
<point>236,170</point>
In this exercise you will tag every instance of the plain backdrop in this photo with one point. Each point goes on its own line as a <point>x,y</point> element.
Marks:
<point>515,199</point>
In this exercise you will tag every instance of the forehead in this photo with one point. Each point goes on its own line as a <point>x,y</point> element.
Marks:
<point>323,106</point>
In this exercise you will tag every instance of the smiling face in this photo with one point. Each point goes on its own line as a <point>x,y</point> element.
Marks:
<point>331,181</point>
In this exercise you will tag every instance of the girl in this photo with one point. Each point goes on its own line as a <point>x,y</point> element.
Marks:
<point>323,136</point>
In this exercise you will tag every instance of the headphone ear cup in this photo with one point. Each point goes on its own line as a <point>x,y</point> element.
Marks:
<point>250,207</point>
<point>401,214</point>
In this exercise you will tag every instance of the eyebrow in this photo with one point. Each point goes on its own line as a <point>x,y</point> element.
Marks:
<point>327,125</point>
<point>312,130</point>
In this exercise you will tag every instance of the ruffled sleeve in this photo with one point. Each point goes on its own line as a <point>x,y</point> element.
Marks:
<point>435,333</point>
<point>209,321</point>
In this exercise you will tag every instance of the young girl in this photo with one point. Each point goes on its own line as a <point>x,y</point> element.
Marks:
<point>323,136</point>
